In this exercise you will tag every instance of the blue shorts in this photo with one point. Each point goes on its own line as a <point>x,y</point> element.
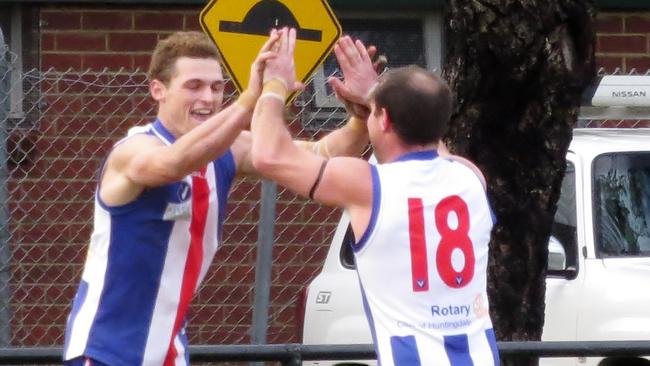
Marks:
<point>83,361</point>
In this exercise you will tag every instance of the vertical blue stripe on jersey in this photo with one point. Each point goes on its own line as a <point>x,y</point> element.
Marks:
<point>492,340</point>
<point>376,202</point>
<point>184,341</point>
<point>457,348</point>
<point>163,131</point>
<point>83,361</point>
<point>136,257</point>
<point>79,299</point>
<point>492,215</point>
<point>371,321</point>
<point>224,170</point>
<point>405,351</point>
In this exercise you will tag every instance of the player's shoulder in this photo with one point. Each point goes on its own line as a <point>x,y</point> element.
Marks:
<point>141,141</point>
<point>466,166</point>
<point>134,144</point>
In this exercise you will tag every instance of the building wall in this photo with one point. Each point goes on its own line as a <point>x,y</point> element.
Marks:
<point>623,42</point>
<point>94,37</point>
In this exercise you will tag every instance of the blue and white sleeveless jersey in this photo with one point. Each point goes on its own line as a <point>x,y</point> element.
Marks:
<point>145,261</point>
<point>422,264</point>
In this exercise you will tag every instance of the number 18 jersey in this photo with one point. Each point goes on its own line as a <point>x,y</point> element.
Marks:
<point>422,264</point>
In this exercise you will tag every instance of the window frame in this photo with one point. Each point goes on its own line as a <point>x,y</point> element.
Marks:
<point>14,40</point>
<point>432,34</point>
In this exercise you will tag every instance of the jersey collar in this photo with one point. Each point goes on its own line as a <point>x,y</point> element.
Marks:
<point>419,155</point>
<point>163,132</point>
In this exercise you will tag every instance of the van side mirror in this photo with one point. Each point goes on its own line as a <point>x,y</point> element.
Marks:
<point>556,255</point>
<point>557,260</point>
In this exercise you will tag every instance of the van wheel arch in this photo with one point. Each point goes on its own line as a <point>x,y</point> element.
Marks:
<point>624,361</point>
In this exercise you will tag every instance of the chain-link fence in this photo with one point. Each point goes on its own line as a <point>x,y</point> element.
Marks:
<point>56,137</point>
<point>55,133</point>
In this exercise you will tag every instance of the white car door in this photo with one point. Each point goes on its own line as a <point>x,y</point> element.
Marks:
<point>564,285</point>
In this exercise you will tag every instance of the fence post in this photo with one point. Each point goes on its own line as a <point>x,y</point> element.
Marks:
<point>5,77</point>
<point>263,264</point>
<point>296,355</point>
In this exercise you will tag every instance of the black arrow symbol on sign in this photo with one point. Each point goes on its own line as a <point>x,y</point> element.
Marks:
<point>264,16</point>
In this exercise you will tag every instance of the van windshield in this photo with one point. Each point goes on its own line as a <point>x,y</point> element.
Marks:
<point>622,204</point>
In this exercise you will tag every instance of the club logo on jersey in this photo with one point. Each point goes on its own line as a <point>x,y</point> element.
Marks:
<point>184,191</point>
<point>177,211</point>
<point>182,207</point>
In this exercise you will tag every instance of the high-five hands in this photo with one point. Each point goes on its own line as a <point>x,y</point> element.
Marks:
<point>248,97</point>
<point>282,67</point>
<point>359,72</point>
<point>277,66</point>
<point>265,54</point>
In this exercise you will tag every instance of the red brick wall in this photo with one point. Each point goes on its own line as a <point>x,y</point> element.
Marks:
<point>623,42</point>
<point>88,37</point>
<point>51,196</point>
<point>81,38</point>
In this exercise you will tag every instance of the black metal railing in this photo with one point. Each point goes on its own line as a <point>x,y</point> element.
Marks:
<point>293,354</point>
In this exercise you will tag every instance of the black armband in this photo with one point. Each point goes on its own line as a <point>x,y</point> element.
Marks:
<point>318,178</point>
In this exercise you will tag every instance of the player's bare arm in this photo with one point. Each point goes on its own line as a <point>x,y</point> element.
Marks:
<point>142,162</point>
<point>277,157</point>
<point>350,139</point>
<point>344,182</point>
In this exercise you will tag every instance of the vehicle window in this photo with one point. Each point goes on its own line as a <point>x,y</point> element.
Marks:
<point>347,256</point>
<point>563,232</point>
<point>622,204</point>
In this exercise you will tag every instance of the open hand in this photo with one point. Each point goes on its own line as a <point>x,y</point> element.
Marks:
<point>359,72</point>
<point>265,54</point>
<point>283,67</point>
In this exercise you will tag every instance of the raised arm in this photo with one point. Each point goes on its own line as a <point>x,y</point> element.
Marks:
<point>343,182</point>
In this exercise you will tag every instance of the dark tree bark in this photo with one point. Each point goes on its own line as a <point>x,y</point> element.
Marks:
<point>518,68</point>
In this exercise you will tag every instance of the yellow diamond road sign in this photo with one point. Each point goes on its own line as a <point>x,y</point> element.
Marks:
<point>239,28</point>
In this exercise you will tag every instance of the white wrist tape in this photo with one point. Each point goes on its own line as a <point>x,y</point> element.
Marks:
<point>273,95</point>
<point>281,80</point>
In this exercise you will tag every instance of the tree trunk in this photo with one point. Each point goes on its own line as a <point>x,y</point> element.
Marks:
<point>518,68</point>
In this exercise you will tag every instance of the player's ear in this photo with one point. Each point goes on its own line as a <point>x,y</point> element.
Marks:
<point>157,89</point>
<point>386,122</point>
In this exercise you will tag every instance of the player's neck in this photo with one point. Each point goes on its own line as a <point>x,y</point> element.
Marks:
<point>171,124</point>
<point>399,149</point>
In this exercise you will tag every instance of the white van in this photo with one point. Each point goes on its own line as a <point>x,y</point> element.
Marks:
<point>598,283</point>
